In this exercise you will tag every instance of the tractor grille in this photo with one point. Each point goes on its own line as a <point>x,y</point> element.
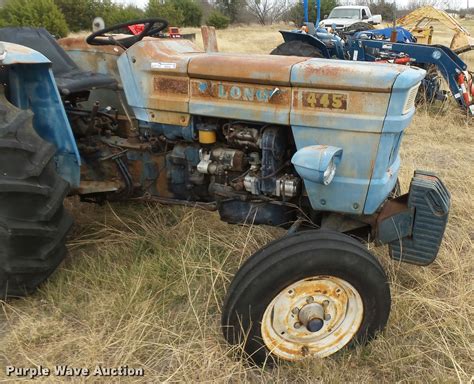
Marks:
<point>431,200</point>
<point>410,102</point>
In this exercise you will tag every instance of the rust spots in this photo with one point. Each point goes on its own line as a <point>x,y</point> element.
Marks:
<point>169,117</point>
<point>305,350</point>
<point>209,38</point>
<point>263,69</point>
<point>170,85</point>
<point>282,329</point>
<point>79,44</point>
<point>344,76</point>
<point>91,187</point>
<point>393,207</point>
<point>17,48</point>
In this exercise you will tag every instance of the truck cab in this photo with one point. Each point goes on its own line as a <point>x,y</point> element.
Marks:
<point>344,16</point>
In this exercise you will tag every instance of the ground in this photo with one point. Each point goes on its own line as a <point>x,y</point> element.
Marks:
<point>143,285</point>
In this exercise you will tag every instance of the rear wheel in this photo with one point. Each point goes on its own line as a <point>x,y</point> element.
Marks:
<point>433,90</point>
<point>33,221</point>
<point>297,48</point>
<point>308,294</point>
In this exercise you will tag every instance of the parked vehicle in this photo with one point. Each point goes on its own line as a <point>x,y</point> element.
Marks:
<point>345,16</point>
<point>305,144</point>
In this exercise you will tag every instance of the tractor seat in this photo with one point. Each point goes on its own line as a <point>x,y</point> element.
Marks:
<point>69,78</point>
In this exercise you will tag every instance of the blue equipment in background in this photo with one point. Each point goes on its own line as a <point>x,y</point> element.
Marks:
<point>382,45</point>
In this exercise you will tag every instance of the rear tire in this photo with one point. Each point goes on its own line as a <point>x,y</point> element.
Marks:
<point>263,307</point>
<point>297,48</point>
<point>33,221</point>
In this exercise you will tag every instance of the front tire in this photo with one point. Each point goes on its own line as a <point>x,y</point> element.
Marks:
<point>33,221</point>
<point>312,293</point>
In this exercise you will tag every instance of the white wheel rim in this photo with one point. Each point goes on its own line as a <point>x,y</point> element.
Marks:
<point>287,337</point>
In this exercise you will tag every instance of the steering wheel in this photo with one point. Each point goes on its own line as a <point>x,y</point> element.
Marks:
<point>100,37</point>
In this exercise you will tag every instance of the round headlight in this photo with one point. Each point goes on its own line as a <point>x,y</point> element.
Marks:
<point>329,173</point>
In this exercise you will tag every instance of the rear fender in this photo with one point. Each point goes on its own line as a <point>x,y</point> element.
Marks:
<point>305,38</point>
<point>31,85</point>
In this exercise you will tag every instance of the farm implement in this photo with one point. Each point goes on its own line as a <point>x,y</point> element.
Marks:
<point>306,144</point>
<point>394,45</point>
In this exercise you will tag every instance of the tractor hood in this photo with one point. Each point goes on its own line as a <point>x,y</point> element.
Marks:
<point>168,80</point>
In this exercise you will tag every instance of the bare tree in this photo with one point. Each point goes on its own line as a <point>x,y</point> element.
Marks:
<point>414,4</point>
<point>267,11</point>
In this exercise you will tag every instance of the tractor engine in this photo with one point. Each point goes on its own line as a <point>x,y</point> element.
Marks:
<point>245,167</point>
<point>233,160</point>
<point>237,164</point>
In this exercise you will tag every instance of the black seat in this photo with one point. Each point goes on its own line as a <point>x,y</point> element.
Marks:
<point>69,78</point>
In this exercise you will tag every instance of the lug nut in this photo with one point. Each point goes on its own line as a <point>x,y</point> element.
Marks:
<point>310,300</point>
<point>295,310</point>
<point>297,325</point>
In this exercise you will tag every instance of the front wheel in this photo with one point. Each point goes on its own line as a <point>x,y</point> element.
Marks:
<point>309,294</point>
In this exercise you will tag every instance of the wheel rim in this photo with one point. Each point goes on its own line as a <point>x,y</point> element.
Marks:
<point>292,325</point>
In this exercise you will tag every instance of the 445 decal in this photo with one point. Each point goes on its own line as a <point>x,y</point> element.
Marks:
<point>324,100</point>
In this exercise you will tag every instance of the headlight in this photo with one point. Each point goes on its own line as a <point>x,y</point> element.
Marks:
<point>329,172</point>
<point>317,163</point>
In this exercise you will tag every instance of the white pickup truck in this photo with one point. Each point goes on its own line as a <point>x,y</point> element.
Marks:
<point>345,16</point>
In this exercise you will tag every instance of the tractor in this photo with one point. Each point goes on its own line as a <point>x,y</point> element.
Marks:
<point>308,145</point>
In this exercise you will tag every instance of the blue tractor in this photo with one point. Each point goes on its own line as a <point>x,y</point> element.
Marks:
<point>306,144</point>
<point>360,42</point>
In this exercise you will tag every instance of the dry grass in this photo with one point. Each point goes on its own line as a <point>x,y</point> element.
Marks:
<point>143,285</point>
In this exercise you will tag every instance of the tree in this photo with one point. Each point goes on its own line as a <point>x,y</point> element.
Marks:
<point>267,11</point>
<point>218,20</point>
<point>231,8</point>
<point>381,7</point>
<point>415,4</point>
<point>387,10</point>
<point>186,13</point>
<point>165,11</point>
<point>296,13</point>
<point>192,12</point>
<point>79,14</point>
<point>206,8</point>
<point>38,13</point>
<point>122,14</point>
